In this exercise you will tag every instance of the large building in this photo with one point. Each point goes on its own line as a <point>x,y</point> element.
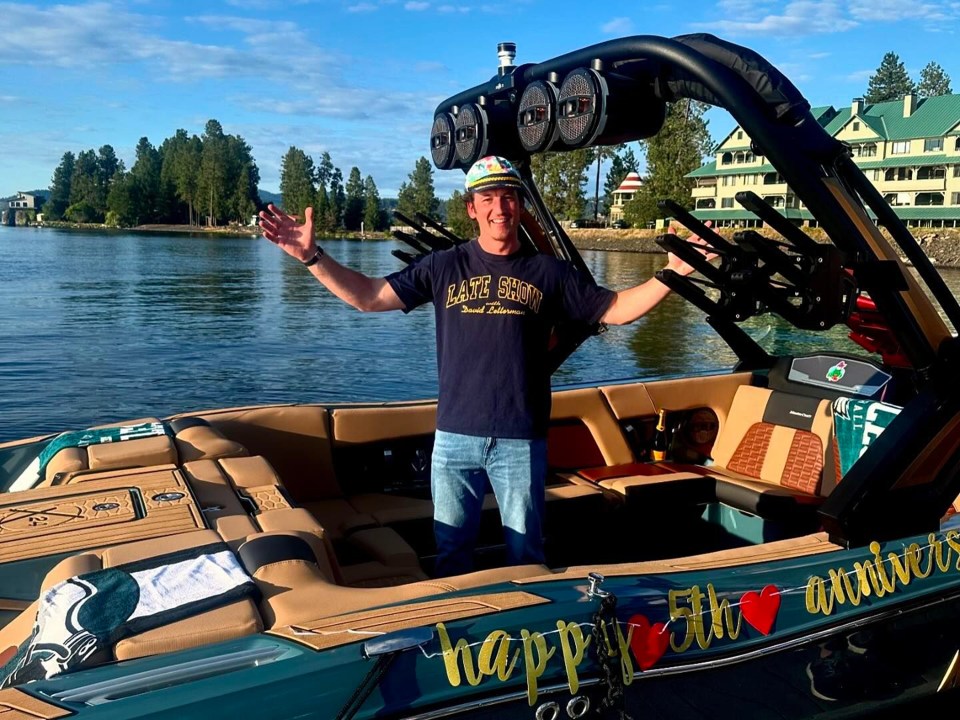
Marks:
<point>908,148</point>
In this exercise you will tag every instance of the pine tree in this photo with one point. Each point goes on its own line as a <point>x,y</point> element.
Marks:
<point>59,200</point>
<point>561,177</point>
<point>85,206</point>
<point>296,181</point>
<point>323,219</point>
<point>353,206</point>
<point>145,179</point>
<point>212,182</point>
<point>890,82</point>
<point>678,149</point>
<point>459,222</point>
<point>181,168</point>
<point>934,82</point>
<point>373,217</point>
<point>418,195</point>
<point>338,198</point>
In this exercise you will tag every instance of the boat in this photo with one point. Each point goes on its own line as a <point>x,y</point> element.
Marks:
<point>797,554</point>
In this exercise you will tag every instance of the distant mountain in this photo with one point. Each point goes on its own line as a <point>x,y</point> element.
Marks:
<point>269,197</point>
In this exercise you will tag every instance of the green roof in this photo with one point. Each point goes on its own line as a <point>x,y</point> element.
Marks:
<point>933,117</point>
<point>710,170</point>
<point>910,160</point>
<point>741,214</point>
<point>938,212</point>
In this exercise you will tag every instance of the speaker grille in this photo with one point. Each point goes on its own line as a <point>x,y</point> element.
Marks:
<point>469,134</point>
<point>441,141</point>
<point>579,106</point>
<point>536,116</point>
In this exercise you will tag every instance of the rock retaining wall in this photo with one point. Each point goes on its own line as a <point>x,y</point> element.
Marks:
<point>942,245</point>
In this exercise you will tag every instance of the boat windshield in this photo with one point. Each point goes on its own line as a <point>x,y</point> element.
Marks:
<point>15,460</point>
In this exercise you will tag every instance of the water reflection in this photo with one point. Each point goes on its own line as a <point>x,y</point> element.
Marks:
<point>106,327</point>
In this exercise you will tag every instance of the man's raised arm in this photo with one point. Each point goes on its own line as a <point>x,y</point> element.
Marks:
<point>354,288</point>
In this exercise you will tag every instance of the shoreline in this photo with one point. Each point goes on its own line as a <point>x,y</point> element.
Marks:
<point>942,245</point>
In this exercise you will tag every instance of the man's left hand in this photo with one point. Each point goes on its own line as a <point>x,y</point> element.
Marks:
<point>681,267</point>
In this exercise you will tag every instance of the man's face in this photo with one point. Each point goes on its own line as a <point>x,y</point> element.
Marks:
<point>497,212</point>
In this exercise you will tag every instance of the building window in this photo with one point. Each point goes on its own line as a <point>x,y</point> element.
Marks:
<point>897,199</point>
<point>750,157</point>
<point>726,202</point>
<point>956,170</point>
<point>726,159</point>
<point>772,179</point>
<point>898,174</point>
<point>933,145</point>
<point>729,180</point>
<point>936,172</point>
<point>739,134</point>
<point>956,144</point>
<point>901,147</point>
<point>929,199</point>
<point>864,150</point>
<point>955,198</point>
<point>856,126</point>
<point>706,204</point>
<point>773,200</point>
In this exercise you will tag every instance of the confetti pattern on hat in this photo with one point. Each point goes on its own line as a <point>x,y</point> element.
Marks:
<point>492,172</point>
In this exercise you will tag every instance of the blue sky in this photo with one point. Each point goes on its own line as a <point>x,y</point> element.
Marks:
<point>360,78</point>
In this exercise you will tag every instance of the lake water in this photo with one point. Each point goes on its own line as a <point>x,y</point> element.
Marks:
<point>101,327</point>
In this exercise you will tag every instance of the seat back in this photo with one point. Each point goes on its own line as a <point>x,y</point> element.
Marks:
<point>778,438</point>
<point>192,439</point>
<point>227,622</point>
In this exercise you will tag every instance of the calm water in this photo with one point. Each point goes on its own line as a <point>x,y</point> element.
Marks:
<point>103,327</point>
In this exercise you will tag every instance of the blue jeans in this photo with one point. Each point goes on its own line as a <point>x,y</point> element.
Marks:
<point>461,466</point>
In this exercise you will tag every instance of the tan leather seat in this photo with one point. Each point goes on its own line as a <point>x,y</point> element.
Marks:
<point>295,591</point>
<point>228,622</point>
<point>773,457</point>
<point>192,439</point>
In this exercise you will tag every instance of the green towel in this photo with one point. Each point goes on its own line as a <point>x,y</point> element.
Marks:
<point>82,438</point>
<point>856,424</point>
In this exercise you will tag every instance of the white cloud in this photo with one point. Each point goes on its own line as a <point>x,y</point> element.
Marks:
<point>448,9</point>
<point>894,11</point>
<point>416,6</point>
<point>617,26</point>
<point>802,17</point>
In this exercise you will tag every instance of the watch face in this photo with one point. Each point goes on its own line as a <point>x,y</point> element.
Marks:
<point>701,427</point>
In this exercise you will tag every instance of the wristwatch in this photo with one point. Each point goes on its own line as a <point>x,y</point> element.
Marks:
<point>315,259</point>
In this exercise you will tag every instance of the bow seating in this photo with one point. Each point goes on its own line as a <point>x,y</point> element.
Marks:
<point>192,439</point>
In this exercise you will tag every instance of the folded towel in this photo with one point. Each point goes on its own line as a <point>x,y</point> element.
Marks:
<point>856,424</point>
<point>85,614</point>
<point>83,438</point>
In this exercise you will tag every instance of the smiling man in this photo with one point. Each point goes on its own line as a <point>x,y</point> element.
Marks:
<point>495,304</point>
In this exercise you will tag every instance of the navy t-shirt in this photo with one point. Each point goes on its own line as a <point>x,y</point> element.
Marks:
<point>494,316</point>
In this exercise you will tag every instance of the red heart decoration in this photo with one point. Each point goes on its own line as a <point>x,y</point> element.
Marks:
<point>649,642</point>
<point>7,655</point>
<point>760,609</point>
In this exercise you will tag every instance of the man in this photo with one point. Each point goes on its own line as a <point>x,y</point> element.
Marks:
<point>495,305</point>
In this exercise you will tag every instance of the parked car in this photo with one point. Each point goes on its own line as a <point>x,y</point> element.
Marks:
<point>620,224</point>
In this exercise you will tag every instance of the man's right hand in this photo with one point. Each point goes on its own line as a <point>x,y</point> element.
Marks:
<point>282,229</point>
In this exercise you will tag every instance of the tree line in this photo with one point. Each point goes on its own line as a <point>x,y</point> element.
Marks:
<point>213,176</point>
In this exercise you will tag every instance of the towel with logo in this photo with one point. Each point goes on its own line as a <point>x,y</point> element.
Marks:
<point>86,614</point>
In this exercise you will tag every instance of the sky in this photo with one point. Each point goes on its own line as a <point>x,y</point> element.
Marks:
<point>360,79</point>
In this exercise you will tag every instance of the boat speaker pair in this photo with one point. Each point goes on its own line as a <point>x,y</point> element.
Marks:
<point>606,109</point>
<point>482,129</point>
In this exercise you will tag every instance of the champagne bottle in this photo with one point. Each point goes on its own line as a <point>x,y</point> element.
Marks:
<point>658,452</point>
